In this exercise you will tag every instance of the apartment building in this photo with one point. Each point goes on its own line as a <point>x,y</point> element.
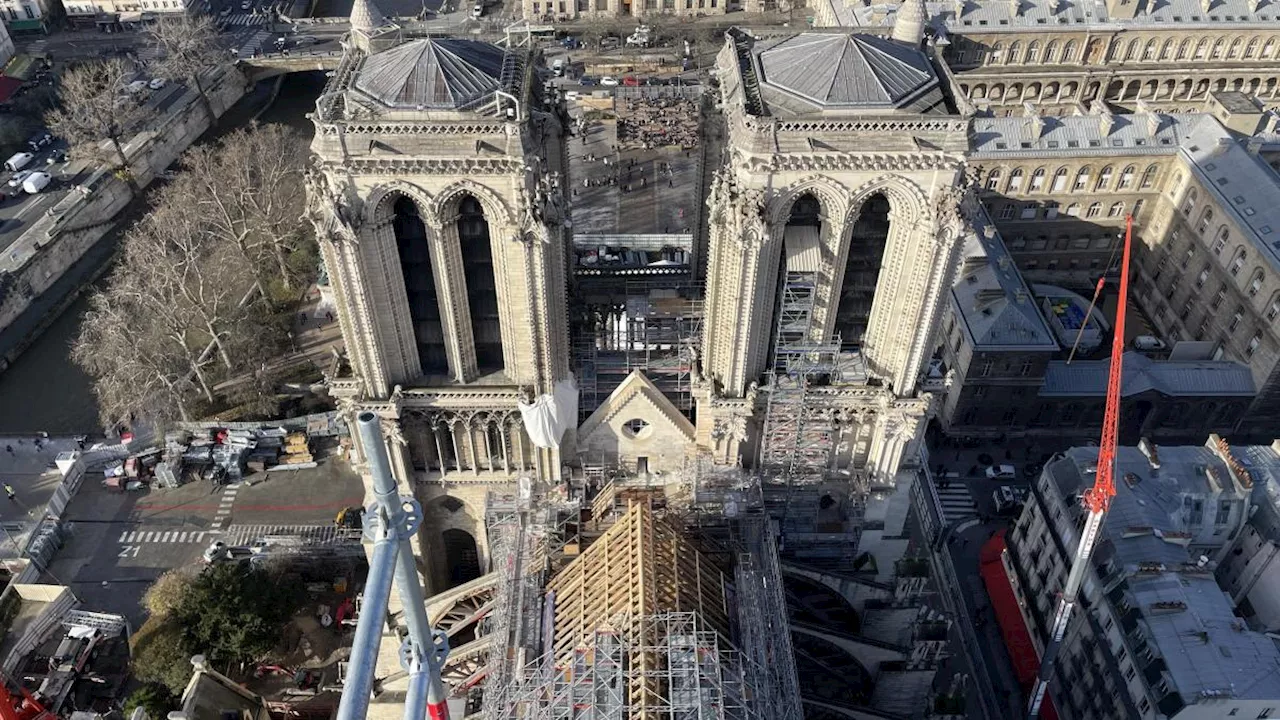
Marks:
<point>30,16</point>
<point>1064,55</point>
<point>1250,569</point>
<point>1154,635</point>
<point>6,45</point>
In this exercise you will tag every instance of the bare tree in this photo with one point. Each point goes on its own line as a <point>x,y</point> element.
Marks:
<point>189,44</point>
<point>95,105</point>
<point>249,192</point>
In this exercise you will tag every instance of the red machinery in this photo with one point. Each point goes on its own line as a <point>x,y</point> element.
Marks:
<point>21,705</point>
<point>1097,499</point>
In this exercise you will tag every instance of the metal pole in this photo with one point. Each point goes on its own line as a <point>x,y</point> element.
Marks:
<point>358,687</point>
<point>398,519</point>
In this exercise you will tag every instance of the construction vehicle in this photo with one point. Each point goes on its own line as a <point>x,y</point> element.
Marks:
<point>17,703</point>
<point>349,517</point>
<point>1097,499</point>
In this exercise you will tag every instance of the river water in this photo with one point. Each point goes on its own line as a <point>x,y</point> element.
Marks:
<point>44,389</point>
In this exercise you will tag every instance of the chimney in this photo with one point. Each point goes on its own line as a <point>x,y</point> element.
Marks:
<point>1206,5</point>
<point>960,7</point>
<point>1054,6</point>
<point>989,232</point>
<point>1037,123</point>
<point>1107,123</point>
<point>1015,7</point>
<point>1254,5</point>
<point>1254,145</point>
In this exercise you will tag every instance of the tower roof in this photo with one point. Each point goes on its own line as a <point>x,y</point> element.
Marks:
<point>432,74</point>
<point>366,16</point>
<point>839,70</point>
<point>909,22</point>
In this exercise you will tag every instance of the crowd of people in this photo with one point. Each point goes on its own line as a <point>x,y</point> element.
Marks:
<point>658,122</point>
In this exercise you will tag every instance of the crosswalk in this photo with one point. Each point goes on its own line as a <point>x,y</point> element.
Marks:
<point>149,537</point>
<point>244,20</point>
<point>259,40</point>
<point>957,503</point>
<point>310,534</point>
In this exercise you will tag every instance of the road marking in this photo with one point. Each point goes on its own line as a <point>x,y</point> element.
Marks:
<point>311,534</point>
<point>159,537</point>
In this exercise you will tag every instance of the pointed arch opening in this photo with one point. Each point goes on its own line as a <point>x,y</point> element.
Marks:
<point>462,556</point>
<point>482,287</point>
<point>797,270</point>
<point>420,286</point>
<point>867,241</point>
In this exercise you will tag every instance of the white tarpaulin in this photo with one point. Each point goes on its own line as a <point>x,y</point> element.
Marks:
<point>549,415</point>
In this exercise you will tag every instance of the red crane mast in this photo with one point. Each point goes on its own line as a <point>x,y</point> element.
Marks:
<point>1097,499</point>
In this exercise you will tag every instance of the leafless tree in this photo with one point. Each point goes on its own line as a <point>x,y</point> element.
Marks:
<point>95,105</point>
<point>135,372</point>
<point>189,46</point>
<point>249,192</point>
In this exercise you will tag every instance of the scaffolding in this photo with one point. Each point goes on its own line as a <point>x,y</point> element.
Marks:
<point>653,325</point>
<point>641,623</point>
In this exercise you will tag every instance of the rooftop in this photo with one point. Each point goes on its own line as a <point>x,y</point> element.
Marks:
<point>1185,614</point>
<point>1078,135</point>
<point>1242,183</point>
<point>1192,378</point>
<point>432,74</point>
<point>1066,15</point>
<point>839,70</point>
<point>993,303</point>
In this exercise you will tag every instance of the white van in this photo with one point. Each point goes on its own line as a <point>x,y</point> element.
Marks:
<point>1002,472</point>
<point>36,182</point>
<point>477,11</point>
<point>1148,343</point>
<point>558,67</point>
<point>18,161</point>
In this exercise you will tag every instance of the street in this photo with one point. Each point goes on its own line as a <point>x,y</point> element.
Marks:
<point>120,542</point>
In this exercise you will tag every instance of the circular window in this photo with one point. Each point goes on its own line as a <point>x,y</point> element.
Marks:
<point>636,428</point>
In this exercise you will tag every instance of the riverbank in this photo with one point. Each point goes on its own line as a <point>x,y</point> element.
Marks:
<point>41,389</point>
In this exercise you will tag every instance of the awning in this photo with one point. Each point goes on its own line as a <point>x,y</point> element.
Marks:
<point>130,17</point>
<point>1017,637</point>
<point>8,86</point>
<point>30,24</point>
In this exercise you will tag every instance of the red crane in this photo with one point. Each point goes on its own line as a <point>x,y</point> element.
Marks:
<point>21,705</point>
<point>1097,499</point>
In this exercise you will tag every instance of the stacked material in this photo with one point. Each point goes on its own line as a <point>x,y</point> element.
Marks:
<point>296,450</point>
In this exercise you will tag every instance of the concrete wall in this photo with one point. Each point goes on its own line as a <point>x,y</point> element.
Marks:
<point>89,211</point>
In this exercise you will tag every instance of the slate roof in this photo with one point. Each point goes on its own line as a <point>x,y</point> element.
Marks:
<point>432,74</point>
<point>1069,15</point>
<point>1199,378</point>
<point>839,70</point>
<point>993,303</point>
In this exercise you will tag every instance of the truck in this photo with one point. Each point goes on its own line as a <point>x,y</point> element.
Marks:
<point>36,182</point>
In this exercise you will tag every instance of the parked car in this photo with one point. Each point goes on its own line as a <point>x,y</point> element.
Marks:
<point>1001,472</point>
<point>137,86</point>
<point>609,81</point>
<point>1148,343</point>
<point>39,140</point>
<point>570,43</point>
<point>36,182</point>
<point>587,81</point>
<point>157,83</point>
<point>55,157</point>
<point>17,161</point>
<point>631,81</point>
<point>557,66</point>
<point>222,552</point>
<point>477,11</point>
<point>19,177</point>
<point>572,95</point>
<point>1008,499</point>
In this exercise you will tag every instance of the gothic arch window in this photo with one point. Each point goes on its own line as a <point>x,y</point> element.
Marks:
<point>1237,262</point>
<point>1033,52</point>
<point>1255,282</point>
<point>1082,179</point>
<point>1234,49</point>
<point>803,228</point>
<point>993,179</point>
<point>1190,203</point>
<point>1131,52</point>
<point>997,53</point>
<point>1149,177</point>
<point>1206,217</point>
<point>1037,180</point>
<point>482,286</point>
<point>867,241</point>
<point>1224,235</point>
<point>1069,51</point>
<point>1149,50</point>
<point>1015,180</point>
<point>1073,210</point>
<point>1251,48</point>
<point>419,286</point>
<point>1050,51</point>
<point>1126,178</point>
<point>1104,179</point>
<point>1202,48</point>
<point>1183,48</point>
<point>1116,210</point>
<point>1269,48</point>
<point>462,556</point>
<point>1059,180</point>
<point>1015,52</point>
<point>1167,49</point>
<point>1273,308</point>
<point>1095,209</point>
<point>1217,49</point>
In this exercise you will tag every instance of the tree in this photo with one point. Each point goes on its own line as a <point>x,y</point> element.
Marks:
<point>189,44</point>
<point>161,654</point>
<point>166,593</point>
<point>153,697</point>
<point>94,104</point>
<point>235,612</point>
<point>249,192</point>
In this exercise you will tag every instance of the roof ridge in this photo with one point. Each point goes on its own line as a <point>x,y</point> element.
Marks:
<point>856,42</point>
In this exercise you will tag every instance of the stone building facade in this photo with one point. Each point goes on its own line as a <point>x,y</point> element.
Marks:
<point>1063,56</point>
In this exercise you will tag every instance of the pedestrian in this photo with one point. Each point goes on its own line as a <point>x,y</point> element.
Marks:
<point>8,490</point>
